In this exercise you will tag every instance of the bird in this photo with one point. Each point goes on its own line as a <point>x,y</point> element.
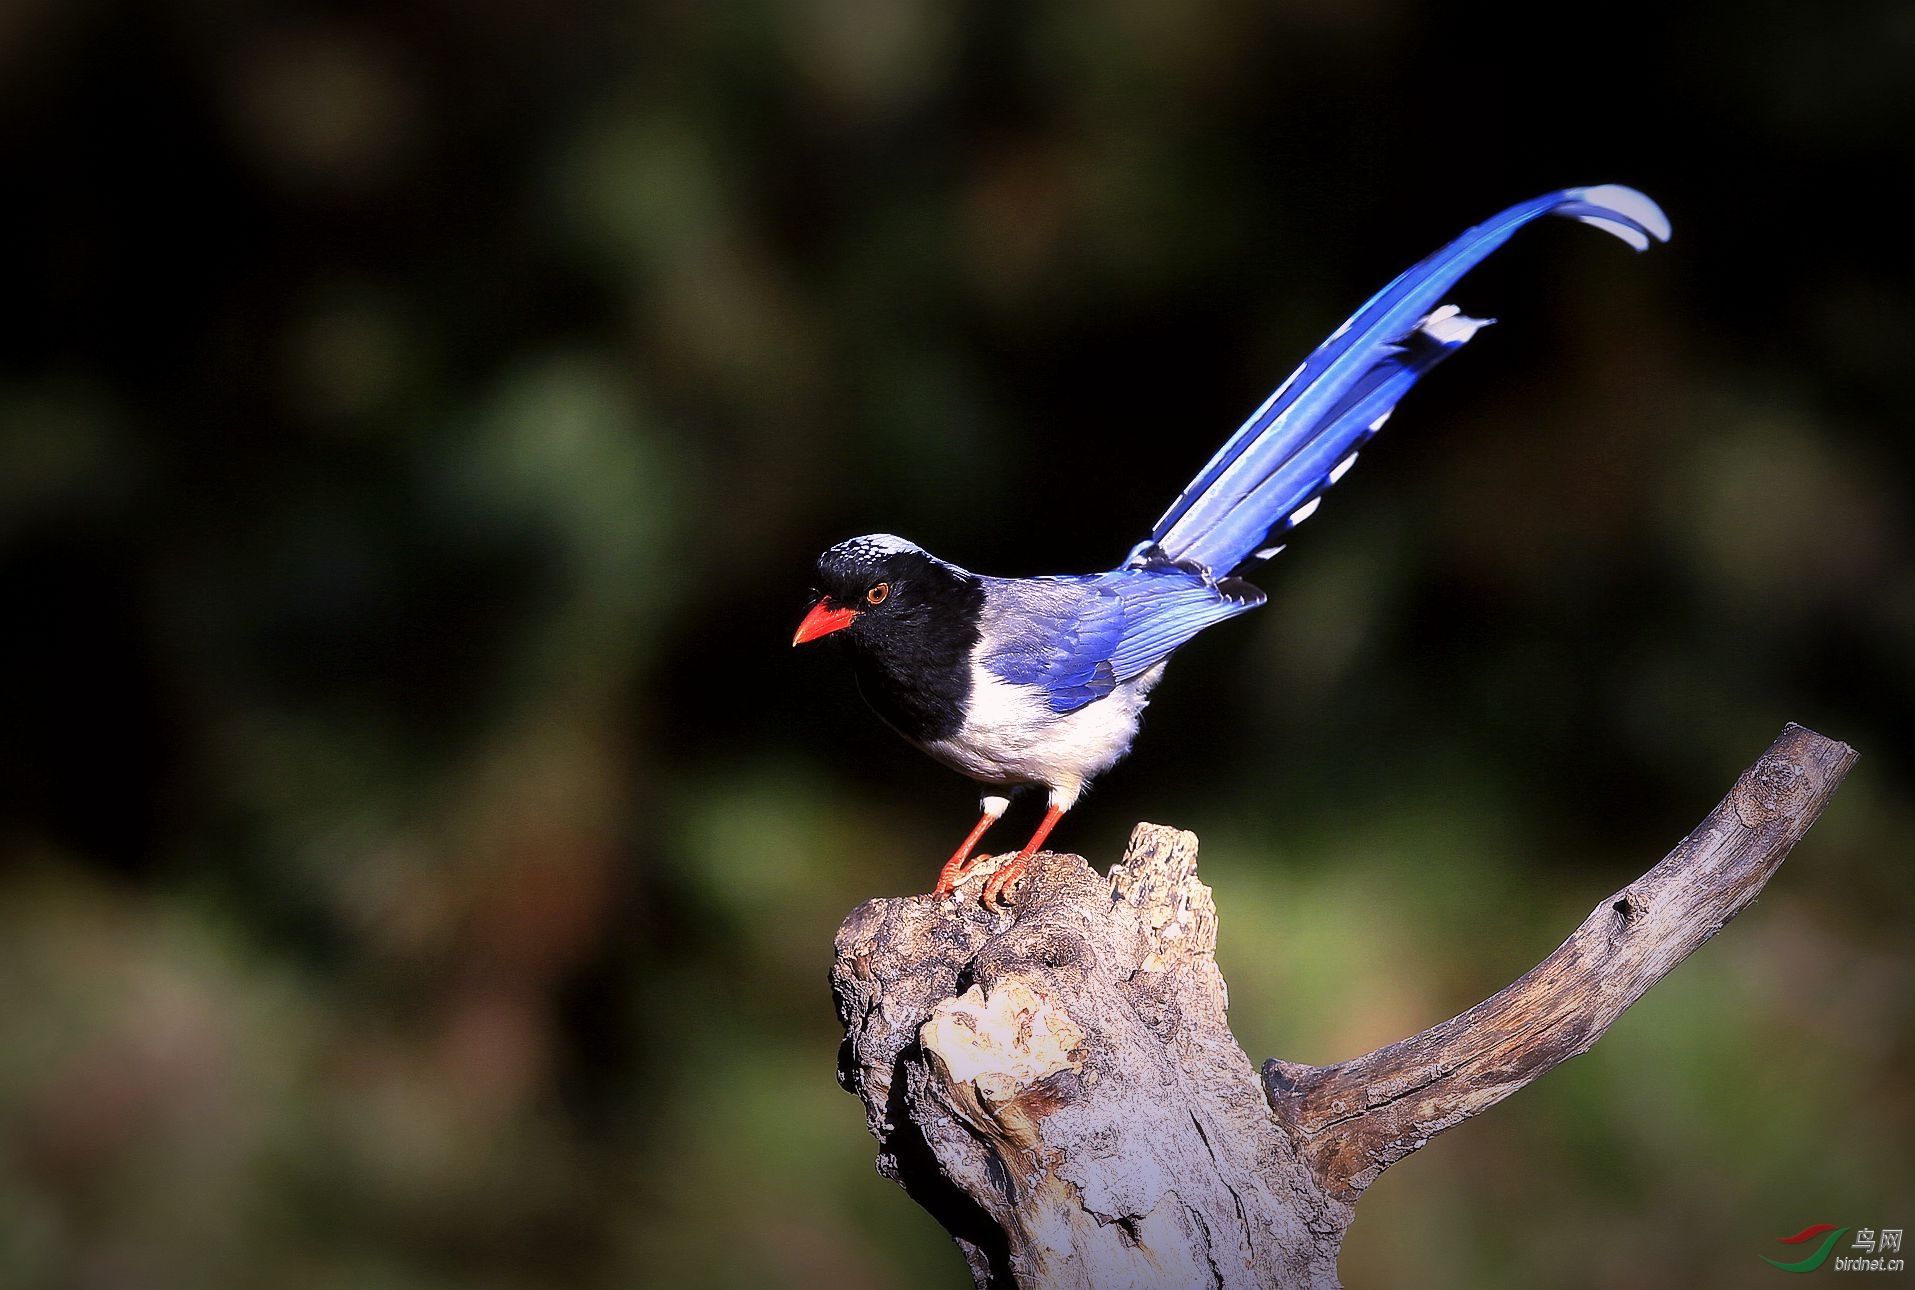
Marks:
<point>1041,681</point>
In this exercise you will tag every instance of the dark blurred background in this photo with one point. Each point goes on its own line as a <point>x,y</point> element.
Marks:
<point>417,423</point>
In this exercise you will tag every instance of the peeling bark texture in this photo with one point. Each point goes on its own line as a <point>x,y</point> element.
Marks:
<point>1059,1087</point>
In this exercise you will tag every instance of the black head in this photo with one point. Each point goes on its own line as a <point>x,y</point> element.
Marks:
<point>879,586</point>
<point>909,620</point>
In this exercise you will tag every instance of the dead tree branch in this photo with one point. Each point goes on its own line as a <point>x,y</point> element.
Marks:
<point>1060,1088</point>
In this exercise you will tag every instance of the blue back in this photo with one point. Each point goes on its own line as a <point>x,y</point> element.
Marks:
<point>1078,638</point>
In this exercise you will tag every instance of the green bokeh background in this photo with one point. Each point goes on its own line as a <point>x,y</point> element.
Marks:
<point>419,850</point>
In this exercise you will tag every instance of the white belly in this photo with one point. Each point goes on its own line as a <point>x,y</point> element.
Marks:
<point>1010,736</point>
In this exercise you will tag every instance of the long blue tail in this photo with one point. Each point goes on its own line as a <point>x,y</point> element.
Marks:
<point>1267,479</point>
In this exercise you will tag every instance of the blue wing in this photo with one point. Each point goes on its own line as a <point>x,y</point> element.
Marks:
<point>1267,478</point>
<point>1079,638</point>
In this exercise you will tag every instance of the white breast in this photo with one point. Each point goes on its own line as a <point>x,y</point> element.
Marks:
<point>1010,736</point>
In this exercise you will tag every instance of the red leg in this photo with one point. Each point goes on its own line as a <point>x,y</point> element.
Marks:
<point>1011,872</point>
<point>960,862</point>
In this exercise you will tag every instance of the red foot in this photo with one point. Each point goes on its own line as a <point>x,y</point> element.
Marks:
<point>1014,869</point>
<point>959,866</point>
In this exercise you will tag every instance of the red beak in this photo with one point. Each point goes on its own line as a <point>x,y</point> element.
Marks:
<point>822,621</point>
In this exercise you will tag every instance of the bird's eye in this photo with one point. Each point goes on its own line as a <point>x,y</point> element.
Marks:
<point>876,595</point>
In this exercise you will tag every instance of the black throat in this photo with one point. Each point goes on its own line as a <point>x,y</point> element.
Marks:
<point>912,661</point>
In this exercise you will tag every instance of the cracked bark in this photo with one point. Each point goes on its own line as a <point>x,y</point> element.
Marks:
<point>1059,1087</point>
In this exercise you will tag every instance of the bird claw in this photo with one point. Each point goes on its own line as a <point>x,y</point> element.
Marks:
<point>955,873</point>
<point>1001,882</point>
<point>1009,868</point>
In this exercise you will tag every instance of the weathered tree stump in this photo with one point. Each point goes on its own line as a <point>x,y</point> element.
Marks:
<point>1059,1087</point>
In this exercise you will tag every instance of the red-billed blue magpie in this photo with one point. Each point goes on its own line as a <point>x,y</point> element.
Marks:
<point>1041,681</point>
